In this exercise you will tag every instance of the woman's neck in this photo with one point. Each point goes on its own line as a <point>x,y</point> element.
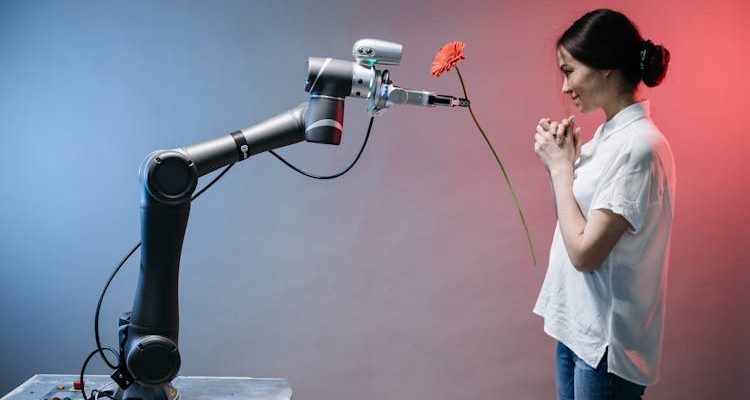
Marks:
<point>620,102</point>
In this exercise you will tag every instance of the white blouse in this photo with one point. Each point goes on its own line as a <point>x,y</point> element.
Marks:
<point>628,168</point>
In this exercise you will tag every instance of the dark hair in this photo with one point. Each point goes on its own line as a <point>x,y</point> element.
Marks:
<point>606,39</point>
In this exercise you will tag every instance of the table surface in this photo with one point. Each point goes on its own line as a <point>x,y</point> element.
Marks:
<point>43,386</point>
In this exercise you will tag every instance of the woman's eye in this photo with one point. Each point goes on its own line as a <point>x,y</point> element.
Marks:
<point>567,72</point>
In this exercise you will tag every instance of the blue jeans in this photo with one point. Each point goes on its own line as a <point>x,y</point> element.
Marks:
<point>576,380</point>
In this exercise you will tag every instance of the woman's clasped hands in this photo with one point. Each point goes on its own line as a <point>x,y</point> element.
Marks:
<point>558,144</point>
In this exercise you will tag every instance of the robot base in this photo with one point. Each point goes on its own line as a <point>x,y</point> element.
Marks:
<point>139,392</point>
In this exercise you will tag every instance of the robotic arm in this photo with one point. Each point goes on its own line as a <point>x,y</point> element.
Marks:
<point>148,335</point>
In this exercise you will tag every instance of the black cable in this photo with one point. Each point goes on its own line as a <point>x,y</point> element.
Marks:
<point>85,363</point>
<point>99,347</point>
<point>99,307</point>
<point>200,192</point>
<point>367,136</point>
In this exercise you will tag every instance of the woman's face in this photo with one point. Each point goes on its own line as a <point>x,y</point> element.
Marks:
<point>586,86</point>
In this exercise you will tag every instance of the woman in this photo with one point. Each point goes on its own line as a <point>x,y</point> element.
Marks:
<point>603,295</point>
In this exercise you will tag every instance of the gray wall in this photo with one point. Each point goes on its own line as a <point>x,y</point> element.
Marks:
<point>408,278</point>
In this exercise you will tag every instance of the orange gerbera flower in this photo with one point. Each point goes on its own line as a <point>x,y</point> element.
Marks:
<point>447,57</point>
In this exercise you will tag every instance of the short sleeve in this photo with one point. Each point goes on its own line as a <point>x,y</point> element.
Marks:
<point>627,189</point>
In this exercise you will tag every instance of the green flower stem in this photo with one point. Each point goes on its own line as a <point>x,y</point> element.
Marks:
<point>505,174</point>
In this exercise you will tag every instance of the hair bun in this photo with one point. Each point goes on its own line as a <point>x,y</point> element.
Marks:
<point>654,63</point>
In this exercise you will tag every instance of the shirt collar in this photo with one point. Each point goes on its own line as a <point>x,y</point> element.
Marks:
<point>625,117</point>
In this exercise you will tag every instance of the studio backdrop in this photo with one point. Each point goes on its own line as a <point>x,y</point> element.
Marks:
<point>410,277</point>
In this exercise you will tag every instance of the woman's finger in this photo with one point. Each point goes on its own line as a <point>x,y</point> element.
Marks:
<point>562,127</point>
<point>571,123</point>
<point>539,139</point>
<point>552,131</point>
<point>540,130</point>
<point>560,132</point>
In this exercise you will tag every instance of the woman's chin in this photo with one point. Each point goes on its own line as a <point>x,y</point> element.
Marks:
<point>583,109</point>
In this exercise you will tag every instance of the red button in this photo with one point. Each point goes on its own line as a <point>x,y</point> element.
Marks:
<point>77,385</point>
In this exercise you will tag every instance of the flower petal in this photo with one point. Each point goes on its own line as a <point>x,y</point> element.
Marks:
<point>448,55</point>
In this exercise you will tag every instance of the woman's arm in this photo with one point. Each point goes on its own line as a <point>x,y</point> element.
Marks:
<point>588,242</point>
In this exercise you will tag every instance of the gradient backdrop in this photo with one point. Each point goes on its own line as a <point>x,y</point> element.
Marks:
<point>409,277</point>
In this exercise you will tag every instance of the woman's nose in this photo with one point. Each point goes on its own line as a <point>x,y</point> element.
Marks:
<point>565,86</point>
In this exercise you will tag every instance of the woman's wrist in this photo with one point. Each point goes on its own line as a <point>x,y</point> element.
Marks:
<point>561,173</point>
